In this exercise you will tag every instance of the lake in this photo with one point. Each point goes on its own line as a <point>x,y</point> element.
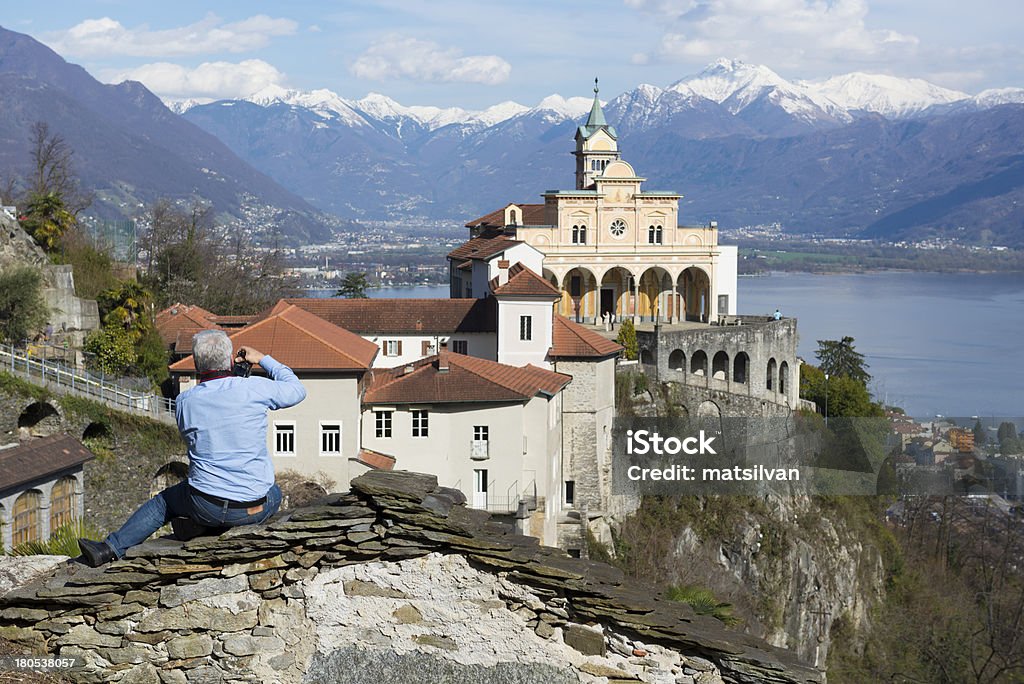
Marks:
<point>936,344</point>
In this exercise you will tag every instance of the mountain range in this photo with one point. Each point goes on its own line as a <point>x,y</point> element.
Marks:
<point>130,149</point>
<point>855,155</point>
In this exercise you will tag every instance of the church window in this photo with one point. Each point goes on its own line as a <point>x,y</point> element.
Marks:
<point>617,228</point>
<point>654,235</point>
<point>579,235</point>
<point>575,286</point>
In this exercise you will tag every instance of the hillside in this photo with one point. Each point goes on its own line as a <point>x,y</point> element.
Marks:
<point>129,148</point>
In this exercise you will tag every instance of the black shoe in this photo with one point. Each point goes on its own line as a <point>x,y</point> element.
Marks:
<point>94,553</point>
<point>187,528</point>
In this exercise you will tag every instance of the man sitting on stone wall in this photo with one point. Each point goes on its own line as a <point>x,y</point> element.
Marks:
<point>223,420</point>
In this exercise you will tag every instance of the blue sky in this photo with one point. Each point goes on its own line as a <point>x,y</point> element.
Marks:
<point>474,54</point>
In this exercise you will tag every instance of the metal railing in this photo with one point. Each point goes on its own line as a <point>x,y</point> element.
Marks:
<point>509,501</point>
<point>69,380</point>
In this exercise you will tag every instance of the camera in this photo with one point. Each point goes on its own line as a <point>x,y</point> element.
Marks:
<point>242,368</point>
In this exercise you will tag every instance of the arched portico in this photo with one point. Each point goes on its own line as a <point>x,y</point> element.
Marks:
<point>617,293</point>
<point>694,286</point>
<point>579,296</point>
<point>655,295</point>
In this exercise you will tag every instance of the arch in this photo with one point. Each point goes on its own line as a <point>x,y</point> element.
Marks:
<point>770,377</point>
<point>616,295</point>
<point>96,430</point>
<point>783,377</point>
<point>740,368</point>
<point>579,295</point>
<point>694,289</point>
<point>63,503</point>
<point>709,416</point>
<point>699,363</point>
<point>39,419</point>
<point>655,299</point>
<point>677,360</point>
<point>720,366</point>
<point>168,475</point>
<point>25,524</point>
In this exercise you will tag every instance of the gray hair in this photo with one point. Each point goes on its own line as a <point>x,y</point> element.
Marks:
<point>212,350</point>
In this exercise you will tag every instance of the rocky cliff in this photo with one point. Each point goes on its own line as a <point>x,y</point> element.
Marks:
<point>395,581</point>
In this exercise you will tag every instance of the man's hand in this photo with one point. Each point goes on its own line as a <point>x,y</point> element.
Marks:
<point>251,355</point>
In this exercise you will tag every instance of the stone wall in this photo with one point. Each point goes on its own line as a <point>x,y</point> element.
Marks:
<point>130,450</point>
<point>668,355</point>
<point>68,312</point>
<point>395,581</point>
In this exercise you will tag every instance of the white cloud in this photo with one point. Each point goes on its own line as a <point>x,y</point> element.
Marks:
<point>211,35</point>
<point>400,57</point>
<point>208,81</point>
<point>779,32</point>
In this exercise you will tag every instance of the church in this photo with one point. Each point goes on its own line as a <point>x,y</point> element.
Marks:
<point>611,248</point>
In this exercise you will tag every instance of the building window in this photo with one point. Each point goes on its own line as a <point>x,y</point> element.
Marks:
<point>392,347</point>
<point>62,503</point>
<point>427,348</point>
<point>480,433</point>
<point>480,486</point>
<point>420,423</point>
<point>330,439</point>
<point>654,235</point>
<point>25,526</point>
<point>579,235</point>
<point>617,228</point>
<point>570,492</point>
<point>383,424</point>
<point>460,347</point>
<point>284,438</point>
<point>526,327</point>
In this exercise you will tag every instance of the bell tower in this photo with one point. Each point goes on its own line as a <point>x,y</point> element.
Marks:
<point>596,146</point>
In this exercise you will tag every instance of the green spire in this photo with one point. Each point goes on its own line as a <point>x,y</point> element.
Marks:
<point>596,118</point>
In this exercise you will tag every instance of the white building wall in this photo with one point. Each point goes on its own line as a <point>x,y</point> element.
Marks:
<point>517,352</point>
<point>328,399</point>
<point>523,254</point>
<point>725,280</point>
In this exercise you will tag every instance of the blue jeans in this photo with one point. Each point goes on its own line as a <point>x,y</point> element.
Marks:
<point>180,501</point>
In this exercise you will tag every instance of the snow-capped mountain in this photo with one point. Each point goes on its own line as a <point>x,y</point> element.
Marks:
<point>729,136</point>
<point>892,97</point>
<point>737,86</point>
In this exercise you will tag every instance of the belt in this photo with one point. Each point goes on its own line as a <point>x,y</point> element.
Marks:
<point>231,504</point>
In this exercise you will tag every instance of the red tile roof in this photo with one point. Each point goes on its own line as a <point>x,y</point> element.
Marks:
<point>405,316</point>
<point>40,459</point>
<point>572,340</point>
<point>522,282</point>
<point>467,378</point>
<point>533,215</point>
<point>182,316</point>
<point>302,341</point>
<point>483,247</point>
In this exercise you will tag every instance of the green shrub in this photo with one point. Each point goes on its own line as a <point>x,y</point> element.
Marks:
<point>63,541</point>
<point>703,602</point>
<point>627,338</point>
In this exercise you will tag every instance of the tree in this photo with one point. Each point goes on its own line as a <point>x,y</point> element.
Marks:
<point>186,258</point>
<point>627,338</point>
<point>128,343</point>
<point>979,433</point>
<point>839,358</point>
<point>353,286</point>
<point>847,397</point>
<point>53,169</point>
<point>22,308</point>
<point>47,220</point>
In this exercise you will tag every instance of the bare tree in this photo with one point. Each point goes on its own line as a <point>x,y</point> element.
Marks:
<point>53,169</point>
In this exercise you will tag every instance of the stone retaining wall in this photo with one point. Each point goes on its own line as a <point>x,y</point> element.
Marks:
<point>396,581</point>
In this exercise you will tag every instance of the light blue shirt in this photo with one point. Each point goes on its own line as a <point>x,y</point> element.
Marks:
<point>224,424</point>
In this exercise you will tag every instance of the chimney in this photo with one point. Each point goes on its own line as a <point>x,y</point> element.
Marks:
<point>502,272</point>
<point>442,358</point>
